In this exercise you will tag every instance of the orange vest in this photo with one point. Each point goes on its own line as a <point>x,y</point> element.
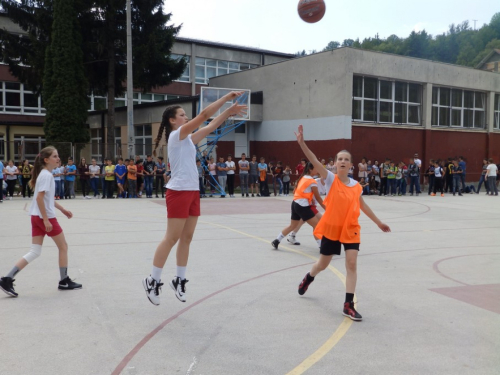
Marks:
<point>304,183</point>
<point>340,220</point>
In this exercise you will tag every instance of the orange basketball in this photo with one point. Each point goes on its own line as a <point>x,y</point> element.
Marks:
<point>311,11</point>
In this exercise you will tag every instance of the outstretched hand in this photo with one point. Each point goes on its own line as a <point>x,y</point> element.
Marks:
<point>300,134</point>
<point>235,94</point>
<point>238,110</point>
<point>384,227</point>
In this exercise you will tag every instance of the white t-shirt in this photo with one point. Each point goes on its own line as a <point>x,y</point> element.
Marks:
<point>302,201</point>
<point>182,157</point>
<point>230,164</point>
<point>437,172</point>
<point>44,182</point>
<point>11,170</point>
<point>491,170</point>
<point>418,162</point>
<point>329,181</point>
<point>94,170</point>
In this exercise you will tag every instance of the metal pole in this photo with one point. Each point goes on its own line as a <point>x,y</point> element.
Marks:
<point>130,85</point>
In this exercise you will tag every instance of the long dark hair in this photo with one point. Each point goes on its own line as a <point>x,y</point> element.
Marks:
<point>307,170</point>
<point>40,163</point>
<point>170,112</point>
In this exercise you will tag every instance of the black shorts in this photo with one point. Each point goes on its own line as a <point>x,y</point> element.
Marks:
<point>300,212</point>
<point>329,247</point>
<point>253,179</point>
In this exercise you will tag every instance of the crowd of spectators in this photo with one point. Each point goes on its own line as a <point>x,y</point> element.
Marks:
<point>137,178</point>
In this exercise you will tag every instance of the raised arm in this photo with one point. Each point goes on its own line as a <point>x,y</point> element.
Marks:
<point>323,172</point>
<point>208,112</point>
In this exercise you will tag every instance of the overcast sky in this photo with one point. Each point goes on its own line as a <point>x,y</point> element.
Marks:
<point>275,24</point>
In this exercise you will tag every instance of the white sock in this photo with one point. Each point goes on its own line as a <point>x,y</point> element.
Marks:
<point>280,237</point>
<point>156,273</point>
<point>181,272</point>
<point>318,242</point>
<point>292,234</point>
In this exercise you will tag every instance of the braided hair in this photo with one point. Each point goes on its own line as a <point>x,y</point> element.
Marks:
<point>170,112</point>
<point>307,171</point>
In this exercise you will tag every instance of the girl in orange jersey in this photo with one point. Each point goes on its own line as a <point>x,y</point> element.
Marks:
<point>305,190</point>
<point>339,224</point>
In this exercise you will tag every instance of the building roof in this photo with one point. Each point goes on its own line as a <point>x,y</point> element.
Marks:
<point>233,47</point>
<point>487,57</point>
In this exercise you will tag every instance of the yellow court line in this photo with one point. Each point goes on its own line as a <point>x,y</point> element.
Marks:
<point>339,332</point>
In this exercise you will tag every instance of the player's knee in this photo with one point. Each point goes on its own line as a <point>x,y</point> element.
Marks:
<point>351,265</point>
<point>35,252</point>
<point>187,238</point>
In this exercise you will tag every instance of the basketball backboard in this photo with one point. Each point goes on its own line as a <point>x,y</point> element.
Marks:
<point>211,94</point>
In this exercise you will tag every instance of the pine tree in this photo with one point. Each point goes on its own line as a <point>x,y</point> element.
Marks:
<point>65,86</point>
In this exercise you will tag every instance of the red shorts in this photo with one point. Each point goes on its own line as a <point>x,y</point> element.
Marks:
<point>38,228</point>
<point>182,204</point>
<point>314,209</point>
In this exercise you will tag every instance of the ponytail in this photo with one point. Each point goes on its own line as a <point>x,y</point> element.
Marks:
<point>170,112</point>
<point>39,164</point>
<point>307,170</point>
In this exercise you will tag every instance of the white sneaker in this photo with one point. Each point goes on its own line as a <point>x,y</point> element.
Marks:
<point>152,288</point>
<point>179,286</point>
<point>88,197</point>
<point>292,240</point>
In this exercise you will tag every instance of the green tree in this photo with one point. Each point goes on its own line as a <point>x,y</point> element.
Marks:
<point>65,86</point>
<point>103,27</point>
<point>331,46</point>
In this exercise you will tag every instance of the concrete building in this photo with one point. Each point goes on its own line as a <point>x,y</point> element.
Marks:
<point>374,104</point>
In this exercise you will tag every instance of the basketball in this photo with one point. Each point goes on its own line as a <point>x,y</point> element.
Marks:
<point>311,11</point>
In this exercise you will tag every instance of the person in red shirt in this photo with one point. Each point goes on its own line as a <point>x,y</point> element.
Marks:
<point>299,169</point>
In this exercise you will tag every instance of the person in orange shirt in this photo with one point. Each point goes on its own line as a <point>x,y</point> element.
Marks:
<point>132,179</point>
<point>306,189</point>
<point>339,224</point>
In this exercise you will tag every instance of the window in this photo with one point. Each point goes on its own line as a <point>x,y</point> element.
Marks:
<point>458,108</point>
<point>98,103</point>
<point>143,140</point>
<point>209,68</point>
<point>2,147</point>
<point>186,75</point>
<point>383,101</point>
<point>27,147</point>
<point>496,119</point>
<point>95,140</point>
<point>118,141</point>
<point>15,98</point>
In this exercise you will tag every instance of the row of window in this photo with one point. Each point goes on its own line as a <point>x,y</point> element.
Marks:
<point>496,120</point>
<point>143,141</point>
<point>209,68</point>
<point>455,107</point>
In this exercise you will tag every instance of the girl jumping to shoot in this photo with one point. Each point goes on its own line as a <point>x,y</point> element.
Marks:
<point>339,224</point>
<point>43,222</point>
<point>183,195</point>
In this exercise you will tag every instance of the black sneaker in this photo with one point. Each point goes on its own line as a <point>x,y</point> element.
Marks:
<point>179,286</point>
<point>306,281</point>
<point>252,195</point>
<point>275,244</point>
<point>247,195</point>
<point>68,284</point>
<point>460,194</point>
<point>7,285</point>
<point>351,312</point>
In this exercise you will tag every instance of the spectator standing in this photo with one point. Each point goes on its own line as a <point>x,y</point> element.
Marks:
<point>484,178</point>
<point>201,172</point>
<point>103,179</point>
<point>140,178</point>
<point>94,171</point>
<point>438,179</point>
<point>404,179</point>
<point>368,168</point>
<point>222,176</point>
<point>149,175</point>
<point>231,167</point>
<point>414,174</point>
<point>384,173</point>
<point>244,167</point>
<point>363,170</point>
<point>449,176</point>
<point>70,179</point>
<point>492,171</point>
<point>264,188</point>
<point>463,167</point>
<point>160,171</point>
<point>286,180</point>
<point>25,171</point>
<point>431,176</point>
<point>110,179</point>
<point>212,170</point>
<point>57,180</point>
<point>300,167</point>
<point>376,174</point>
<point>120,173</point>
<point>331,166</point>
<point>391,178</point>
<point>132,179</point>
<point>83,171</point>
<point>399,180</point>
<point>11,171</point>
<point>254,175</point>
<point>2,168</point>
<point>457,176</point>
<point>278,177</point>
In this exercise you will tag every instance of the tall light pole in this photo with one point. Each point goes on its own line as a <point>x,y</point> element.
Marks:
<point>130,85</point>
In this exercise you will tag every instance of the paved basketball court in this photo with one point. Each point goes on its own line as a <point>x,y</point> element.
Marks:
<point>429,293</point>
